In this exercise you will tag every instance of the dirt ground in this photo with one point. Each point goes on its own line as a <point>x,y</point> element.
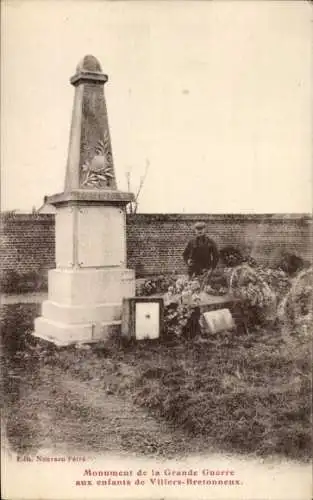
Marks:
<point>67,414</point>
<point>70,417</point>
<point>53,413</point>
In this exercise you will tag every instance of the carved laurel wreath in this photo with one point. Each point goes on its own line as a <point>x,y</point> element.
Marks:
<point>98,171</point>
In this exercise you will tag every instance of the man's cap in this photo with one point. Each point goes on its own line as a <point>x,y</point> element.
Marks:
<point>200,225</point>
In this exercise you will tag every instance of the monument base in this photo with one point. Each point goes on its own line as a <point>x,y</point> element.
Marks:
<point>84,305</point>
<point>62,335</point>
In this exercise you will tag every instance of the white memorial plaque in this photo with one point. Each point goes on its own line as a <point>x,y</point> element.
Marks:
<point>100,242</point>
<point>218,321</point>
<point>147,320</point>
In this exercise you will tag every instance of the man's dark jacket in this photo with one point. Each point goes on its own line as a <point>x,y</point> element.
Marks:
<point>202,252</point>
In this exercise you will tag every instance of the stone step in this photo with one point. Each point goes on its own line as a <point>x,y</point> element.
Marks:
<point>80,314</point>
<point>62,334</point>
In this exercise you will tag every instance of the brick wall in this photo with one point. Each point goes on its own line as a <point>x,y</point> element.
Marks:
<point>155,241</point>
<point>27,242</point>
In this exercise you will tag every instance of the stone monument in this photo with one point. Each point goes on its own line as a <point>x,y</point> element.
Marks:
<point>86,290</point>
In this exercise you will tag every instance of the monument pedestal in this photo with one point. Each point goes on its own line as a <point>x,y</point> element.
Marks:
<point>84,305</point>
<point>86,290</point>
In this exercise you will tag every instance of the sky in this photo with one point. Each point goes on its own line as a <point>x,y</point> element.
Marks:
<point>214,96</point>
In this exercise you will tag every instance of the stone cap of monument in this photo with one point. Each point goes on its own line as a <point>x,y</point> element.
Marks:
<point>91,196</point>
<point>88,69</point>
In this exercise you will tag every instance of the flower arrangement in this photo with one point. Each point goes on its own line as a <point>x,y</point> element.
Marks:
<point>266,294</point>
<point>295,310</point>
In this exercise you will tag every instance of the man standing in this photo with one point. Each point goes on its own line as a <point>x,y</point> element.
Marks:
<point>201,252</point>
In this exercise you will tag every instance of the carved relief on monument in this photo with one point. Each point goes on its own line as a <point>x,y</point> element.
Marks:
<point>96,160</point>
<point>98,172</point>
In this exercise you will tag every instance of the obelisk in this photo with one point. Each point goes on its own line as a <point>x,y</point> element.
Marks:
<point>86,289</point>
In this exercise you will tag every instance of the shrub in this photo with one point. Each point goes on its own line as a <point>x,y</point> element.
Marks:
<point>10,281</point>
<point>30,281</point>
<point>231,256</point>
<point>291,263</point>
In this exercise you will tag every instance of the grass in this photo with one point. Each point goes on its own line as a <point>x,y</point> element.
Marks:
<point>244,393</point>
<point>249,394</point>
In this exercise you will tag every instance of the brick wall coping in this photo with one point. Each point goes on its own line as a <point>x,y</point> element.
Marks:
<point>219,217</point>
<point>153,217</point>
<point>26,217</point>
